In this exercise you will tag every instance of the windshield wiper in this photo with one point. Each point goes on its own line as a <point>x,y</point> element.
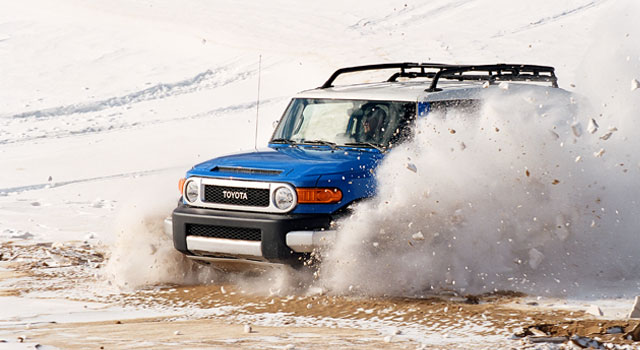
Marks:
<point>365,144</point>
<point>320,142</point>
<point>287,141</point>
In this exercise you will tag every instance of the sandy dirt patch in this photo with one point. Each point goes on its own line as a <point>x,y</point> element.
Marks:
<point>219,315</point>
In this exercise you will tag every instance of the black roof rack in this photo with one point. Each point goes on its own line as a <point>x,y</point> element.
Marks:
<point>437,71</point>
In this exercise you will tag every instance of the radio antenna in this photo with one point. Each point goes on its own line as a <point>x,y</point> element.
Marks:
<point>255,141</point>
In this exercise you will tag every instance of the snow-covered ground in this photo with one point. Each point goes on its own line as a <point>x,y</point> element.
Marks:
<point>105,104</point>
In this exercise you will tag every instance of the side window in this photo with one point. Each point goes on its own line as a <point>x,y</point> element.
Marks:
<point>464,106</point>
<point>383,123</point>
<point>403,128</point>
<point>373,123</point>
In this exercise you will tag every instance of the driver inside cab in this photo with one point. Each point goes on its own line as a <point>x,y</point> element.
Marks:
<point>373,125</point>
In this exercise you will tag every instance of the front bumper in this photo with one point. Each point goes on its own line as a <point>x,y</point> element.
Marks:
<point>284,238</point>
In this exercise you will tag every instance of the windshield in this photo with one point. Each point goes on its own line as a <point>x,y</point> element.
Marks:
<point>346,122</point>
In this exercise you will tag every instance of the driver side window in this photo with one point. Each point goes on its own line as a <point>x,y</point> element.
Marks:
<point>370,123</point>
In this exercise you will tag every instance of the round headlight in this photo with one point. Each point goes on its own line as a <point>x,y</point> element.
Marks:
<point>283,198</point>
<point>191,191</point>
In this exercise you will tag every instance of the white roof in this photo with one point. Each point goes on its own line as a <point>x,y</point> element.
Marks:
<point>411,91</point>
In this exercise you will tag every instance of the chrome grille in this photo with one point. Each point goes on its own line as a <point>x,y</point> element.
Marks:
<point>242,233</point>
<point>251,197</point>
<point>244,195</point>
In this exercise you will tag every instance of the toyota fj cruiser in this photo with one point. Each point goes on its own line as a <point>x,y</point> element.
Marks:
<point>278,204</point>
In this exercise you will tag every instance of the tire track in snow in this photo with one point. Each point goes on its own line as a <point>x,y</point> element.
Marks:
<point>20,189</point>
<point>216,112</point>
<point>409,14</point>
<point>553,18</point>
<point>204,80</point>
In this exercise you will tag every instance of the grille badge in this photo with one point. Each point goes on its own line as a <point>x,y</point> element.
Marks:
<point>235,195</point>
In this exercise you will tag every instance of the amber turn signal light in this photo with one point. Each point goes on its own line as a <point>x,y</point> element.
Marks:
<point>318,195</point>
<point>181,185</point>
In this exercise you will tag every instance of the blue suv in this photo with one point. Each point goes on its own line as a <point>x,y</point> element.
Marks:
<point>279,204</point>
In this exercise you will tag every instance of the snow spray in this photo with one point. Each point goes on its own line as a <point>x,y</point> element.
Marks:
<point>143,255</point>
<point>535,191</point>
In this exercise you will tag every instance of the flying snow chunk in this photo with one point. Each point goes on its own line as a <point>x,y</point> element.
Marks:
<point>485,85</point>
<point>593,126</point>
<point>504,85</point>
<point>418,236</point>
<point>412,167</point>
<point>599,153</point>
<point>535,258</point>
<point>606,136</point>
<point>635,84</point>
<point>577,129</point>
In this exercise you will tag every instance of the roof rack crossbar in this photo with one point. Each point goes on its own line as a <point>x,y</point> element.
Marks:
<point>402,66</point>
<point>495,72</point>
<point>411,75</point>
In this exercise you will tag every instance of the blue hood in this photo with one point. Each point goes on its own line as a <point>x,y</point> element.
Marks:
<point>300,166</point>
